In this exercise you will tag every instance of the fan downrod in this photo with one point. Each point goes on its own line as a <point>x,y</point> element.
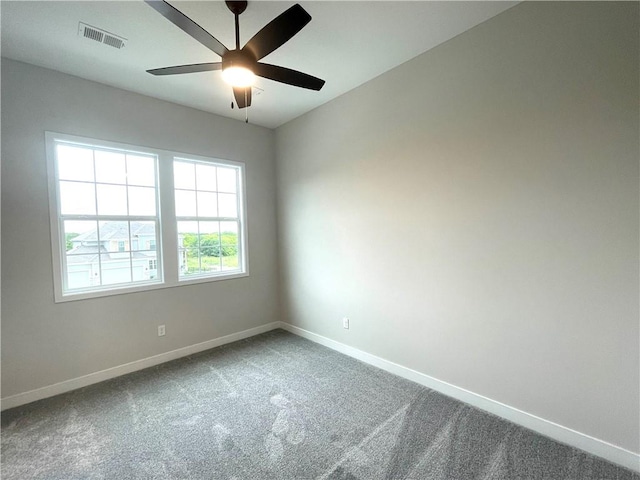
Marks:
<point>236,7</point>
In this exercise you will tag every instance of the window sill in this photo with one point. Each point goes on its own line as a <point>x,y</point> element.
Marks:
<point>125,290</point>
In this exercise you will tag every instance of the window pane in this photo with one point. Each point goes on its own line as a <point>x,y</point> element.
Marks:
<point>77,198</point>
<point>116,268</point>
<point>82,271</point>
<point>112,200</point>
<point>185,203</point>
<point>141,170</point>
<point>188,227</point>
<point>143,236</point>
<point>208,228</point>
<point>229,243</point>
<point>190,263</point>
<point>184,175</point>
<point>207,204</point>
<point>227,205</point>
<point>110,167</point>
<point>183,268</point>
<point>145,266</point>
<point>79,234</point>
<point>206,177</point>
<point>227,179</point>
<point>142,201</point>
<point>208,263</point>
<point>188,234</point>
<point>75,163</point>
<point>209,246</point>
<point>114,237</point>
<point>188,256</point>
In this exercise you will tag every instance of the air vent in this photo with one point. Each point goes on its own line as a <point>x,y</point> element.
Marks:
<point>99,35</point>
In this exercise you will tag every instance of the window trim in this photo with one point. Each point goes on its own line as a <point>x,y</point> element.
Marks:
<point>168,235</point>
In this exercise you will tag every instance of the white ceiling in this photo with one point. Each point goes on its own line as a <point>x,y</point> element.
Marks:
<point>346,44</point>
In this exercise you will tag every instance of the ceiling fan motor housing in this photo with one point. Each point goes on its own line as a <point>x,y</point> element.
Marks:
<point>238,58</point>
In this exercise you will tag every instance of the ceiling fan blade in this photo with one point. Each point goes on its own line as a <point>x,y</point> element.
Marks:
<point>241,100</point>
<point>193,68</point>
<point>278,31</point>
<point>180,20</point>
<point>288,76</point>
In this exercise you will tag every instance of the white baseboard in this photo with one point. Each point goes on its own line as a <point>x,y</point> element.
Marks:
<point>90,379</point>
<point>565,435</point>
<point>550,429</point>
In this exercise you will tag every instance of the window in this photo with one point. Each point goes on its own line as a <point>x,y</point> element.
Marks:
<point>112,231</point>
<point>207,212</point>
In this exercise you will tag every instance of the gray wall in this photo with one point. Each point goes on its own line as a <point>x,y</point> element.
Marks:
<point>475,213</point>
<point>43,342</point>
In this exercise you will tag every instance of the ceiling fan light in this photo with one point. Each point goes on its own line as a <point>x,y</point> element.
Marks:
<point>238,76</point>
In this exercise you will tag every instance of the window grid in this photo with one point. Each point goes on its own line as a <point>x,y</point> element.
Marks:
<point>199,219</point>
<point>98,218</point>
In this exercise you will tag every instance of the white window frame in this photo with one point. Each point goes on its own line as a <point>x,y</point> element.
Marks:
<point>167,248</point>
<point>202,218</point>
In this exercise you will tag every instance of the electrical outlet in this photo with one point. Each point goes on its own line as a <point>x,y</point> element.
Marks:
<point>161,330</point>
<point>345,323</point>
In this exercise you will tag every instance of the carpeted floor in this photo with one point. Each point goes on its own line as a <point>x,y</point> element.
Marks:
<point>275,406</point>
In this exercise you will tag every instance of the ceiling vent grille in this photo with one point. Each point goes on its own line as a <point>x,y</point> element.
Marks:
<point>99,35</point>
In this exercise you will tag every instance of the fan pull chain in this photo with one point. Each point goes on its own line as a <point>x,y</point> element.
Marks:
<point>246,107</point>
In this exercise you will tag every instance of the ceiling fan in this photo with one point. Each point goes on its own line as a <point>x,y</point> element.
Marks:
<point>240,65</point>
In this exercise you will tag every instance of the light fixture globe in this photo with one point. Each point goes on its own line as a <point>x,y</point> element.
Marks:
<point>236,68</point>
<point>238,76</point>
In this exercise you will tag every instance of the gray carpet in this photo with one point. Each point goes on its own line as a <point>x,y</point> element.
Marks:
<point>275,406</point>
